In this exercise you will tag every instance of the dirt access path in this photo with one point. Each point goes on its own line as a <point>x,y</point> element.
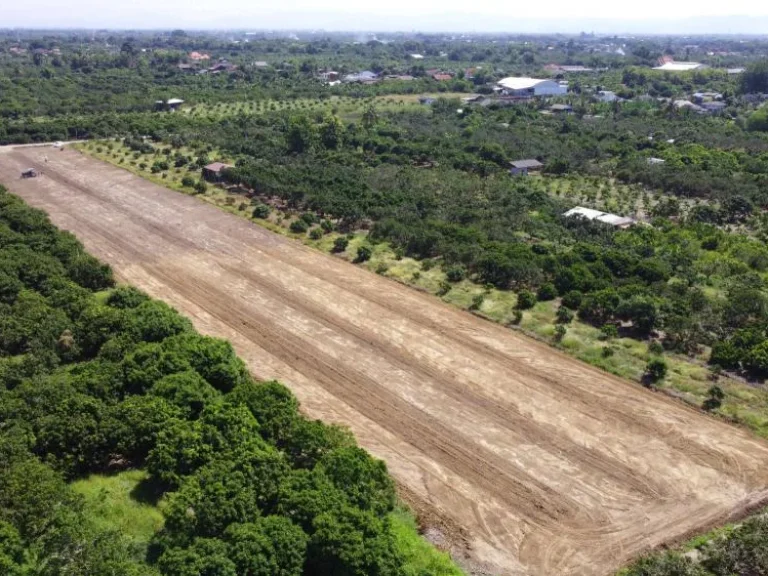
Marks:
<point>537,463</point>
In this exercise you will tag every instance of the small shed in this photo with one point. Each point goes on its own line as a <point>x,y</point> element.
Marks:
<point>525,166</point>
<point>561,109</point>
<point>213,171</point>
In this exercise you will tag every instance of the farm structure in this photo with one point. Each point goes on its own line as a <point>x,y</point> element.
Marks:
<point>213,171</point>
<point>523,167</point>
<point>528,462</point>
<point>530,87</point>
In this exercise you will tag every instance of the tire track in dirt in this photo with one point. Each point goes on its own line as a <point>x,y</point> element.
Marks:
<point>702,454</point>
<point>503,414</point>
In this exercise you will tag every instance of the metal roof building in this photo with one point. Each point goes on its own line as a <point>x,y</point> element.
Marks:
<point>521,86</point>
<point>679,66</point>
<point>590,214</point>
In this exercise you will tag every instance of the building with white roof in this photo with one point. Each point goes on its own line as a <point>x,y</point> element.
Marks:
<point>680,66</point>
<point>528,87</point>
<point>604,217</point>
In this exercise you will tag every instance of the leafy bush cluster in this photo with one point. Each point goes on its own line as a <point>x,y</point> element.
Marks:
<point>101,382</point>
<point>739,552</point>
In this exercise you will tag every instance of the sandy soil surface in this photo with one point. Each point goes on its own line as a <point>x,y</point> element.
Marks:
<point>523,459</point>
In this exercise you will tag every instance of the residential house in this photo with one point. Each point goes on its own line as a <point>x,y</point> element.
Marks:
<point>222,66</point>
<point>524,167</point>
<point>713,107</point>
<point>686,104</point>
<point>606,96</point>
<point>261,64</point>
<point>198,56</point>
<point>530,87</point>
<point>364,76</point>
<point>614,220</point>
<point>700,97</point>
<point>443,77</point>
<point>417,56</point>
<point>329,76</point>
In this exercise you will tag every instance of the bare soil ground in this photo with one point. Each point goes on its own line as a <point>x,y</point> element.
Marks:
<point>528,461</point>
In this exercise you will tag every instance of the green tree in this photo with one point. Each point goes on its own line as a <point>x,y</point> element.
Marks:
<point>363,479</point>
<point>270,546</point>
<point>525,300</point>
<point>352,542</point>
<point>301,134</point>
<point>331,133</point>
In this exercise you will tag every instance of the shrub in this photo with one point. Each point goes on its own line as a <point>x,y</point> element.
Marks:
<point>564,316</point>
<point>608,332</point>
<point>607,352</point>
<point>656,369</point>
<point>714,400</point>
<point>546,292</point>
<point>477,301</point>
<point>560,332</point>
<point>261,211</point>
<point>340,244</point>
<point>756,359</point>
<point>526,300</point>
<point>517,317</point>
<point>572,299</point>
<point>188,181</point>
<point>316,233</point>
<point>456,273</point>
<point>327,226</point>
<point>298,226</point>
<point>655,347</point>
<point>201,187</point>
<point>726,355</point>
<point>309,218</point>
<point>363,254</point>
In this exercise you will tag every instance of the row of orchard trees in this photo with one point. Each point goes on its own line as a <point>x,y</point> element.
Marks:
<point>98,382</point>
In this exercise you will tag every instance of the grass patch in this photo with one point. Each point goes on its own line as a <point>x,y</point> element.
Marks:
<point>421,558</point>
<point>118,502</point>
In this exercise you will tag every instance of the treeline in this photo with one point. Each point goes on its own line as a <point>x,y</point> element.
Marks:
<point>97,379</point>
<point>740,551</point>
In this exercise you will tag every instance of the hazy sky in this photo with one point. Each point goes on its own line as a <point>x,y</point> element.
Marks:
<point>664,16</point>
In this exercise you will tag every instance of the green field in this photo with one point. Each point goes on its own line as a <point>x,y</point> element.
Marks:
<point>117,502</point>
<point>346,107</point>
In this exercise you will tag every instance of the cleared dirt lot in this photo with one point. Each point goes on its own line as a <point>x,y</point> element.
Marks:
<point>533,462</point>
